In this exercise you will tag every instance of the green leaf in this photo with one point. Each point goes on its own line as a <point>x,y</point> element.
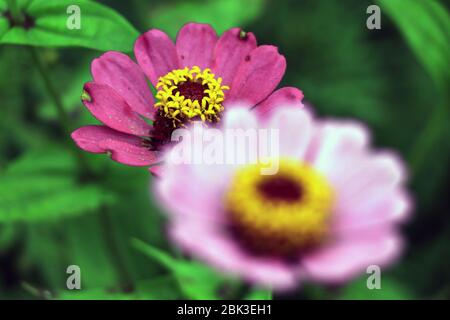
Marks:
<point>44,197</point>
<point>42,186</point>
<point>101,28</point>
<point>34,161</point>
<point>195,280</point>
<point>390,290</point>
<point>259,294</point>
<point>221,14</point>
<point>426,27</point>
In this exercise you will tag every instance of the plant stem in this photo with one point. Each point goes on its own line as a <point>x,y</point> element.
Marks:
<point>16,14</point>
<point>53,92</point>
<point>85,170</point>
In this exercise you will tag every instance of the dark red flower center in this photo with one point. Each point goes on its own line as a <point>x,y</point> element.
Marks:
<point>280,188</point>
<point>192,90</point>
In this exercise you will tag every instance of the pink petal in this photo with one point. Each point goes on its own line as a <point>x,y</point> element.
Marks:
<point>369,179</point>
<point>257,76</point>
<point>286,96</point>
<point>393,208</point>
<point>123,75</point>
<point>332,141</point>
<point>156,171</point>
<point>230,51</point>
<point>375,175</point>
<point>239,117</point>
<point>156,54</point>
<point>111,109</point>
<point>369,192</point>
<point>223,253</point>
<point>295,127</point>
<point>195,45</point>
<point>124,148</point>
<point>345,259</point>
<point>189,190</point>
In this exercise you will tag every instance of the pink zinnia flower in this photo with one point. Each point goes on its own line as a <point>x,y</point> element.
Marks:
<point>331,210</point>
<point>197,78</point>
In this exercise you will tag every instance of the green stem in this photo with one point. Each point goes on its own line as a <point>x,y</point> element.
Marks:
<point>53,92</point>
<point>16,14</point>
<point>85,170</point>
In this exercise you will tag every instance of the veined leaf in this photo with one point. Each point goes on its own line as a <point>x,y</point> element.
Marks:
<point>100,27</point>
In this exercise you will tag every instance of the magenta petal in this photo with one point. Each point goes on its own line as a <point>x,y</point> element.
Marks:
<point>257,76</point>
<point>195,45</point>
<point>287,96</point>
<point>124,148</point>
<point>156,171</point>
<point>111,109</point>
<point>230,51</point>
<point>156,54</point>
<point>123,75</point>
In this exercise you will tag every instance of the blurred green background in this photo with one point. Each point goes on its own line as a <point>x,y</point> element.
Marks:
<point>54,214</point>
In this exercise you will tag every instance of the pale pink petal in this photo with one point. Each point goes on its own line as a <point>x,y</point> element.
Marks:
<point>347,258</point>
<point>189,190</point>
<point>111,109</point>
<point>156,54</point>
<point>369,179</point>
<point>195,45</point>
<point>257,76</point>
<point>241,141</point>
<point>295,128</point>
<point>393,208</point>
<point>123,75</point>
<point>369,192</point>
<point>122,147</point>
<point>375,176</point>
<point>367,185</point>
<point>286,96</point>
<point>230,51</point>
<point>222,252</point>
<point>239,117</point>
<point>336,141</point>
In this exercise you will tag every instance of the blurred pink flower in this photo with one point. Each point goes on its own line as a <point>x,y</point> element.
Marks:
<point>209,72</point>
<point>331,210</point>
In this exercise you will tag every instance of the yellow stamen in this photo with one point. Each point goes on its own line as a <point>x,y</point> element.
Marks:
<point>173,105</point>
<point>280,226</point>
